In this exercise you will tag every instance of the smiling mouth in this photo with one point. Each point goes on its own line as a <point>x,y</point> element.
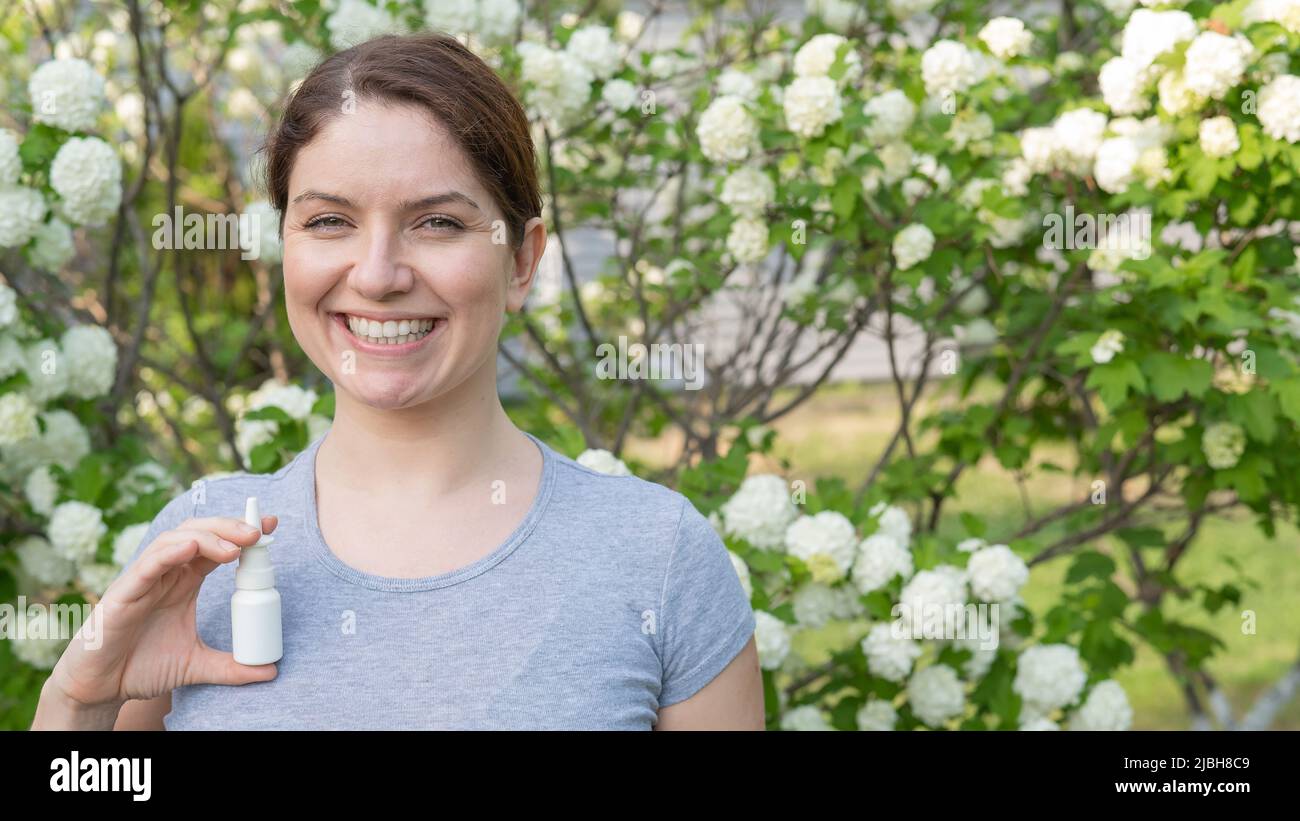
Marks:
<point>390,332</point>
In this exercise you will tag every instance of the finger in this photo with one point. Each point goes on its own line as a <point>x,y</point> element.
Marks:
<point>216,667</point>
<point>226,527</point>
<point>172,550</point>
<point>143,574</point>
<point>269,523</point>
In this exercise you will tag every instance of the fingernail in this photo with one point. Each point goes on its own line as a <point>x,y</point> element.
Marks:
<point>225,545</point>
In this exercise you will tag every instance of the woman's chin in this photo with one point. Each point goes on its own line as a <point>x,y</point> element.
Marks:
<point>385,391</point>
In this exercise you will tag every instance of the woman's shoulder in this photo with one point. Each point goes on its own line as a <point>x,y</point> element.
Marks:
<point>617,499</point>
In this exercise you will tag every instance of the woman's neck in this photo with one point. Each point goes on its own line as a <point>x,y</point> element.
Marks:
<point>462,438</point>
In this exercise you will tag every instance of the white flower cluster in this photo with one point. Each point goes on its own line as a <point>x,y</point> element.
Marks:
<point>87,176</point>
<point>877,715</point>
<point>840,15</point>
<point>17,418</point>
<point>356,21</point>
<point>1135,153</point>
<point>37,559</point>
<point>558,82</point>
<point>747,239</point>
<point>595,48</point>
<point>90,356</point>
<point>747,191</point>
<point>1107,345</point>
<point>1223,444</point>
<point>294,400</point>
<point>39,648</point>
<point>913,245</point>
<point>1216,63</point>
<point>727,131</point>
<point>1049,677</point>
<point>1279,108</point>
<point>11,163</point>
<point>805,718</point>
<point>22,210</point>
<point>811,104</point>
<point>948,67</point>
<point>1147,35</point>
<point>936,590</point>
<point>816,57</point>
<point>1286,13</point>
<point>995,573</point>
<point>602,461</point>
<point>891,113</point>
<point>881,557</point>
<point>75,530</point>
<point>1070,144</point>
<point>1006,37</point>
<point>67,94</point>
<point>760,511</point>
<point>772,637</point>
<point>1218,137</point>
<point>490,20</point>
<point>825,542</point>
<point>936,695</point>
<point>889,657</point>
<point>54,246</point>
<point>1106,708</point>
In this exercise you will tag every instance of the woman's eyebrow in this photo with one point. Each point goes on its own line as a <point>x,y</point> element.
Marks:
<point>405,205</point>
<point>438,199</point>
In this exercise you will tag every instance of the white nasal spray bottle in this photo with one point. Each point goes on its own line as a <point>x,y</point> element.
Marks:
<point>255,608</point>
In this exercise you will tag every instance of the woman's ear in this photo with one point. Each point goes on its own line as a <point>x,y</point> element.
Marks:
<point>524,268</point>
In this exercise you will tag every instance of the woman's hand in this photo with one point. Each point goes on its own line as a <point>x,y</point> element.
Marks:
<point>146,643</point>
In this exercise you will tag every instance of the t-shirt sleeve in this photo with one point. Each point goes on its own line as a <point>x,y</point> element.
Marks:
<point>706,618</point>
<point>173,514</point>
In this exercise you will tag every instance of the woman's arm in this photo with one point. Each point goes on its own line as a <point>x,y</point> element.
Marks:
<point>732,701</point>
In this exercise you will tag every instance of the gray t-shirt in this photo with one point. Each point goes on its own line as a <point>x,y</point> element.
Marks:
<point>613,597</point>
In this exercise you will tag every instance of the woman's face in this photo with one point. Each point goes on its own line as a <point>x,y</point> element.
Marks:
<point>398,268</point>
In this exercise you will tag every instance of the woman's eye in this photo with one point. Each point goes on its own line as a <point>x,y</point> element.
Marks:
<point>326,221</point>
<point>440,223</point>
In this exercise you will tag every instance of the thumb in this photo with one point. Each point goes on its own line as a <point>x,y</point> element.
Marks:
<point>216,667</point>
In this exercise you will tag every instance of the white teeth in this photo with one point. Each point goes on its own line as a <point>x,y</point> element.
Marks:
<point>391,332</point>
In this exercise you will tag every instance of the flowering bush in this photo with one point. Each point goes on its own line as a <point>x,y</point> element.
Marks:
<point>1086,219</point>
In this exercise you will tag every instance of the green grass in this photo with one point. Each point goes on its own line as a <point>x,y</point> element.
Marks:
<point>843,430</point>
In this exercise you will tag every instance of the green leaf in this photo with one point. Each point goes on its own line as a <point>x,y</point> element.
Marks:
<point>270,412</point>
<point>1255,411</point>
<point>1112,381</point>
<point>1089,564</point>
<point>974,525</point>
<point>1288,396</point>
<point>1172,375</point>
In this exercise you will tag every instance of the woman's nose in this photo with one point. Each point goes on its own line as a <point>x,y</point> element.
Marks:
<point>381,268</point>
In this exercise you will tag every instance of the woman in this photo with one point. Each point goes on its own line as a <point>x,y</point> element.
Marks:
<point>438,567</point>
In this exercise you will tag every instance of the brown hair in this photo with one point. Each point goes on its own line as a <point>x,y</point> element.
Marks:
<point>434,71</point>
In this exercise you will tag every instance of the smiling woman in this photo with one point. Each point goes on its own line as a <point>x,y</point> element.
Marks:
<point>438,567</point>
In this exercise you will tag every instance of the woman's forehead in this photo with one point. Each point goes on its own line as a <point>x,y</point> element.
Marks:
<point>385,152</point>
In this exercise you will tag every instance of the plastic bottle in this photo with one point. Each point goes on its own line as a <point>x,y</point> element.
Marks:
<point>256,636</point>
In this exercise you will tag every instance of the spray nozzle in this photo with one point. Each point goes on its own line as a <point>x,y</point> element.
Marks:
<point>253,518</point>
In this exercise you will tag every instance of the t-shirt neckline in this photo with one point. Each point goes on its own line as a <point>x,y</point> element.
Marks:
<point>401,585</point>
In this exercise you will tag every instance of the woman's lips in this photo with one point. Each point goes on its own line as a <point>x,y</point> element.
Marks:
<point>384,349</point>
